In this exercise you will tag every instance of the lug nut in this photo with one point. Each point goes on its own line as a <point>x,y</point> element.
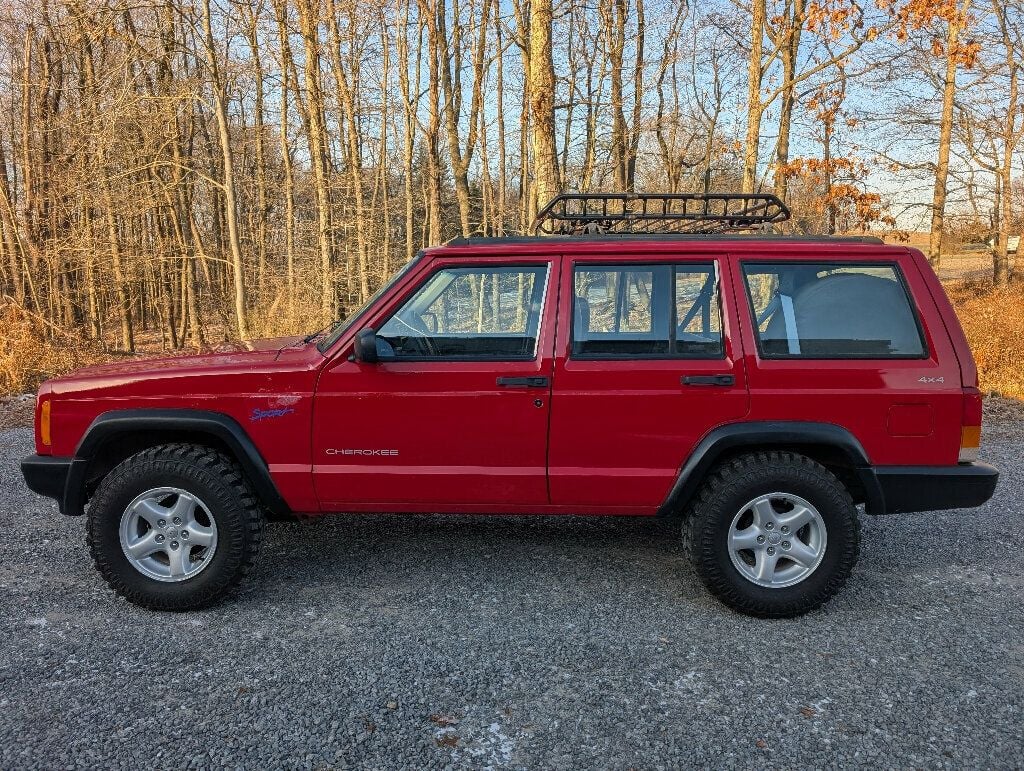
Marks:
<point>174,544</point>
<point>184,534</point>
<point>760,539</point>
<point>771,551</point>
<point>785,528</point>
<point>177,520</point>
<point>769,526</point>
<point>159,539</point>
<point>162,523</point>
<point>785,544</point>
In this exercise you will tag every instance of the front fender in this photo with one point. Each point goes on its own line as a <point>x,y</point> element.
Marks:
<point>168,425</point>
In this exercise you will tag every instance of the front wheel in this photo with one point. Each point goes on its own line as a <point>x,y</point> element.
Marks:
<point>174,527</point>
<point>773,534</point>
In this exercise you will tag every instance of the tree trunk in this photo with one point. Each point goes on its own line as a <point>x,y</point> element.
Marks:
<point>287,63</point>
<point>754,106</point>
<point>314,113</point>
<point>542,104</point>
<point>790,49</point>
<point>219,88</point>
<point>945,134</point>
<point>409,115</point>
<point>354,159</point>
<point>1011,136</point>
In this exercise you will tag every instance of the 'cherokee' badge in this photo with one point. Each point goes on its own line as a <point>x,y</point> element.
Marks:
<point>333,451</point>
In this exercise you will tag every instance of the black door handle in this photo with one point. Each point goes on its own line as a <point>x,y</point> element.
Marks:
<point>524,382</point>
<point>710,380</point>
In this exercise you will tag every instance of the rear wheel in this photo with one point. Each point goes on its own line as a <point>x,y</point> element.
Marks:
<point>174,527</point>
<point>773,534</point>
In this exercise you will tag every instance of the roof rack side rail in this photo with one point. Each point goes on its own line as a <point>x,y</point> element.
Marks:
<point>643,213</point>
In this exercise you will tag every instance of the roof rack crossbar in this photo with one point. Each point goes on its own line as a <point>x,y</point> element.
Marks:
<point>640,213</point>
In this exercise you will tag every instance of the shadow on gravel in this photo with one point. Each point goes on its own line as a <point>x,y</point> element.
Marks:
<point>439,536</point>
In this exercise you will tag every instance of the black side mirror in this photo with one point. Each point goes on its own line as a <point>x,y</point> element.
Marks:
<point>365,346</point>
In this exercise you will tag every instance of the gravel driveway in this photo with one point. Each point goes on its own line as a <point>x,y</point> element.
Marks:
<point>410,642</point>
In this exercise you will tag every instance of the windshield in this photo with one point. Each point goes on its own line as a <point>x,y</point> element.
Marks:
<point>340,328</point>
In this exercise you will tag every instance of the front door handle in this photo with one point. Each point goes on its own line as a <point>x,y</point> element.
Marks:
<point>709,380</point>
<point>524,382</point>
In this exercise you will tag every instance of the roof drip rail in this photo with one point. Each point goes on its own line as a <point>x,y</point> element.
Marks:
<point>572,214</point>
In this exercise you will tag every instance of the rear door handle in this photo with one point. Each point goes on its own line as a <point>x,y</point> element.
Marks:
<point>709,380</point>
<point>524,382</point>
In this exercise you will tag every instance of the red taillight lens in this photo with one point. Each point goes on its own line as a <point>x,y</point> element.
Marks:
<point>972,407</point>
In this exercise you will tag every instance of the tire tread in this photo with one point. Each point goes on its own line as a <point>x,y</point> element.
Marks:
<point>220,471</point>
<point>727,480</point>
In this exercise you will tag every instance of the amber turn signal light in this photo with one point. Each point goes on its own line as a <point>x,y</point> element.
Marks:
<point>970,442</point>
<point>44,423</point>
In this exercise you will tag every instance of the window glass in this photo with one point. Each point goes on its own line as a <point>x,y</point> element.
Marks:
<point>698,317</point>
<point>646,311</point>
<point>486,313</point>
<point>831,311</point>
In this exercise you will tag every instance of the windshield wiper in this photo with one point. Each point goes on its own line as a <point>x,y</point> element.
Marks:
<point>325,331</point>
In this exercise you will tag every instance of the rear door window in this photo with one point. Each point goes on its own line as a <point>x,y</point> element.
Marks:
<point>646,311</point>
<point>832,311</point>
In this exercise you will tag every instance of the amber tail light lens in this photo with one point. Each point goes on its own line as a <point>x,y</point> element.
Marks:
<point>44,423</point>
<point>970,426</point>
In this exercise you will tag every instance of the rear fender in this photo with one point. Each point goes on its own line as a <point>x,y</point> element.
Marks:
<point>828,443</point>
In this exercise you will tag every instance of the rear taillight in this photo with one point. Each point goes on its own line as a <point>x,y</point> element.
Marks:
<point>970,426</point>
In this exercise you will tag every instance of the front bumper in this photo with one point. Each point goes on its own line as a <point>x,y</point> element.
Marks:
<point>903,489</point>
<point>49,476</point>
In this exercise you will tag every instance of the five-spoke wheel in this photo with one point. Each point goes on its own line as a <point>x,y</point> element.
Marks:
<point>168,534</point>
<point>777,540</point>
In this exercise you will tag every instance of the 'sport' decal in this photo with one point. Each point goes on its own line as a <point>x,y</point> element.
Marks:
<point>257,414</point>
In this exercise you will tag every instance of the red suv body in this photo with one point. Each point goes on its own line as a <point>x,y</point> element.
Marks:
<point>565,376</point>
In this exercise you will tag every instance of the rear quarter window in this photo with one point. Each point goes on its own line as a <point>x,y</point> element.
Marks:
<point>832,311</point>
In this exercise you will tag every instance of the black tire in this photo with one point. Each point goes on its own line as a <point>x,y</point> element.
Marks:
<point>209,475</point>
<point>740,480</point>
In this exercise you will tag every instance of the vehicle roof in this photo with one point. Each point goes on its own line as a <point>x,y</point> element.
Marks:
<point>664,237</point>
<point>734,242</point>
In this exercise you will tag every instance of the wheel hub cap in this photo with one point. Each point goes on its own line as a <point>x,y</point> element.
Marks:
<point>777,540</point>
<point>168,534</point>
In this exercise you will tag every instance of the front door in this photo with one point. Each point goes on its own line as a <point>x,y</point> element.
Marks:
<point>454,415</point>
<point>648,362</point>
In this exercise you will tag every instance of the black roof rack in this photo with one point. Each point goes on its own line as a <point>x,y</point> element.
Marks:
<point>642,213</point>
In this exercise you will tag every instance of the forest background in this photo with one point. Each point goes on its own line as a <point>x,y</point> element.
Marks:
<point>177,174</point>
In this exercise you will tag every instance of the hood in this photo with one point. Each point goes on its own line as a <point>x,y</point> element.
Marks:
<point>245,356</point>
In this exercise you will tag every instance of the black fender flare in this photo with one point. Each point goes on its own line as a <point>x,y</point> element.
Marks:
<point>223,427</point>
<point>766,434</point>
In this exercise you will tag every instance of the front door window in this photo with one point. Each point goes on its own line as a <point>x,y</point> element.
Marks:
<point>486,313</point>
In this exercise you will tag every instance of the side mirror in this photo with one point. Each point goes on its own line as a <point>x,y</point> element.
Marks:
<point>365,346</point>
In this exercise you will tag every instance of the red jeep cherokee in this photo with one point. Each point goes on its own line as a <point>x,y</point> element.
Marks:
<point>760,387</point>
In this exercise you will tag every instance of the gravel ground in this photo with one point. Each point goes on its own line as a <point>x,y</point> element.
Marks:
<point>413,642</point>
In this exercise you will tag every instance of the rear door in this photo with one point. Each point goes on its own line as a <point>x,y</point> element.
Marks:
<point>647,362</point>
